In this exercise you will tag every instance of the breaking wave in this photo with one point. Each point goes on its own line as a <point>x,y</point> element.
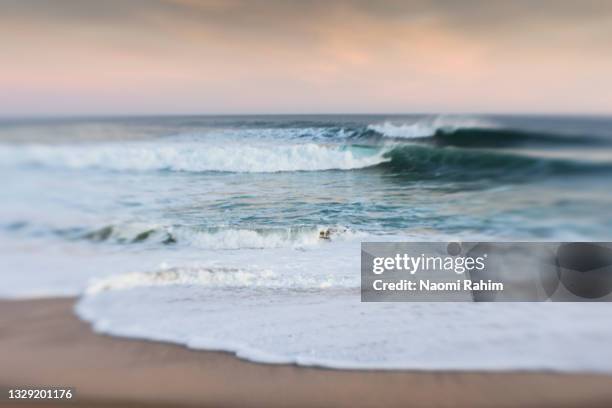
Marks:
<point>474,133</point>
<point>205,238</point>
<point>440,146</point>
<point>429,127</point>
<point>423,160</point>
<point>195,157</point>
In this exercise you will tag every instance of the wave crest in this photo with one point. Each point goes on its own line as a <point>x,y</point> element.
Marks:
<point>429,127</point>
<point>425,161</point>
<point>195,157</point>
<point>211,238</point>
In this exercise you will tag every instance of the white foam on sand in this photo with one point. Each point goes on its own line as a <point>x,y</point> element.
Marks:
<point>330,327</point>
<point>302,306</point>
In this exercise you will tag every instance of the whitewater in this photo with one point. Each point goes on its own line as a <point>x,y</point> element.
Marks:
<point>194,157</point>
<point>205,231</point>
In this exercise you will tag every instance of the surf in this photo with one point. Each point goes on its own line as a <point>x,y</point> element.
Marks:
<point>194,157</point>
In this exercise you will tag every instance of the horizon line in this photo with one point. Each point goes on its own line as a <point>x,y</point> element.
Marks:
<point>84,116</point>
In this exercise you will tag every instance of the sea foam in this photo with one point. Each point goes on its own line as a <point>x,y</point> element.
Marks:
<point>330,327</point>
<point>194,157</point>
<point>427,127</point>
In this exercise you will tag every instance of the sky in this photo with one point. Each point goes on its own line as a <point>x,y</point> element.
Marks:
<point>87,57</point>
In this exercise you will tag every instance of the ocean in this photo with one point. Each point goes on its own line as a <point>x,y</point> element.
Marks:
<point>205,230</point>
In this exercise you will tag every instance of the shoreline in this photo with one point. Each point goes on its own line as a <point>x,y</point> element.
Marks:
<point>43,343</point>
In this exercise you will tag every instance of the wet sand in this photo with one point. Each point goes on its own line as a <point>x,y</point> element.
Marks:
<point>42,343</point>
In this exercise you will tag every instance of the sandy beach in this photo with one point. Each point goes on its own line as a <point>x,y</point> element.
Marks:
<point>42,343</point>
